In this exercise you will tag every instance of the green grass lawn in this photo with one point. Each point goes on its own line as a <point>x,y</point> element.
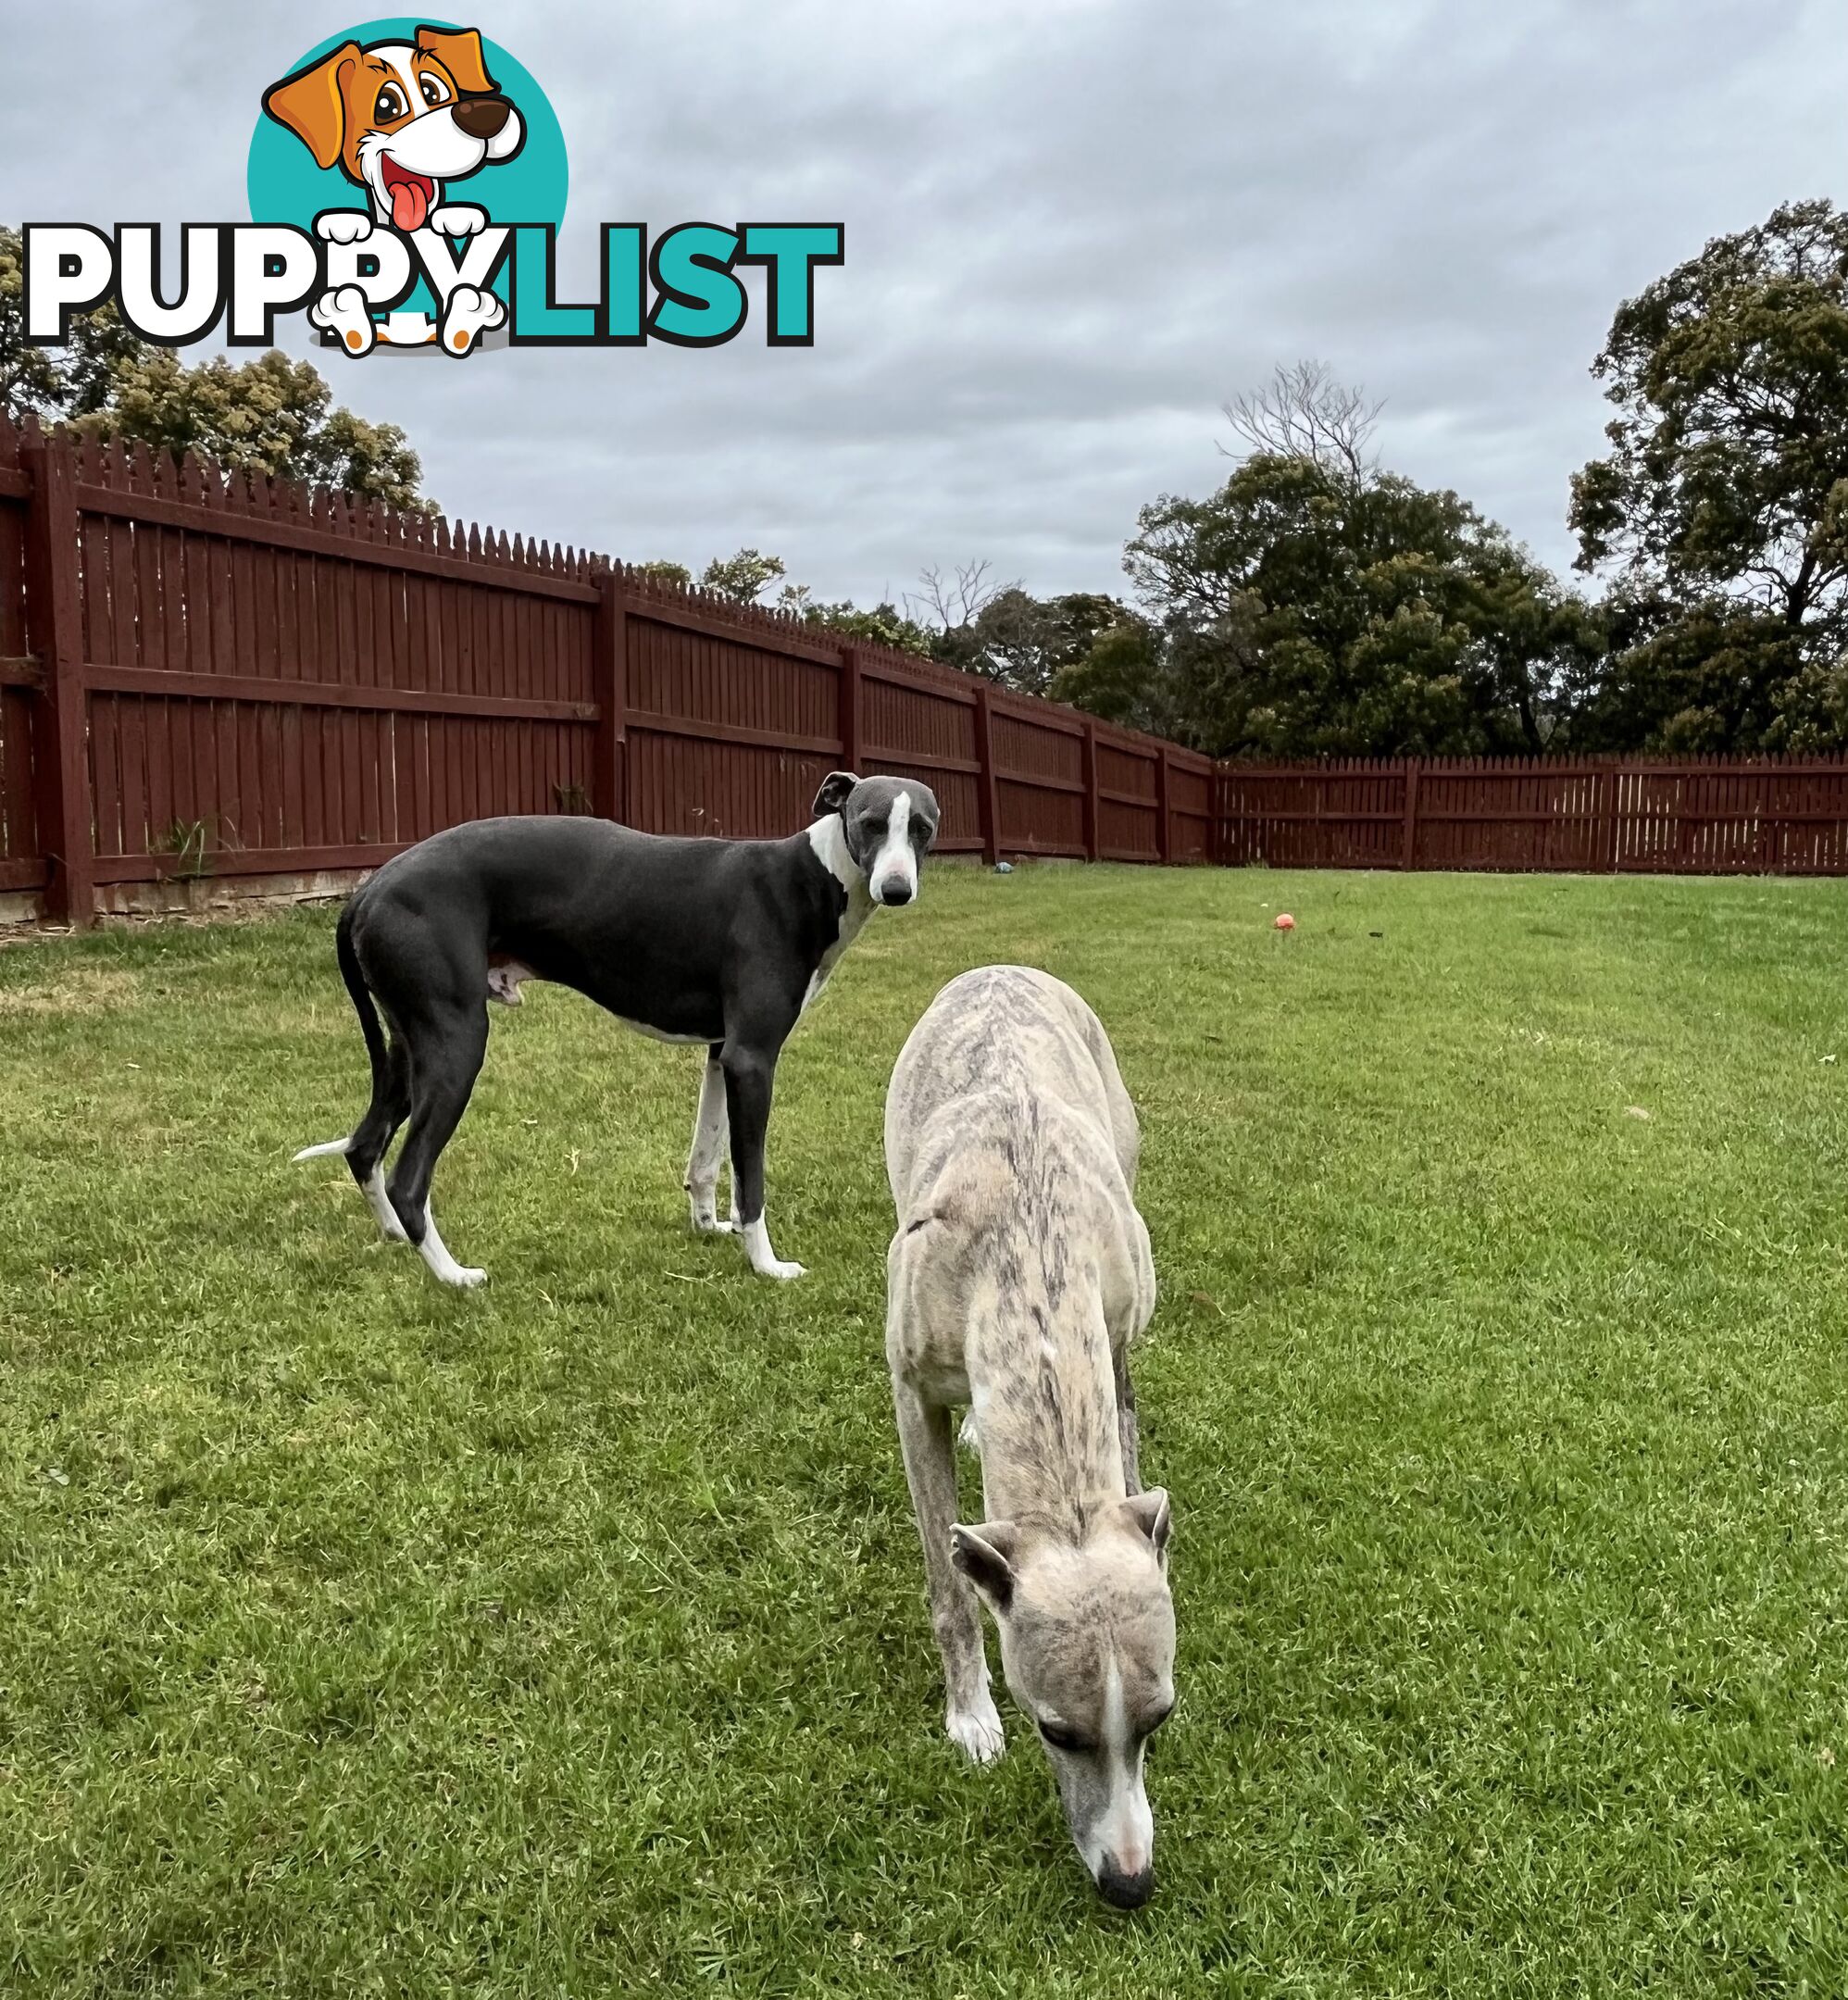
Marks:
<point>358,1636</point>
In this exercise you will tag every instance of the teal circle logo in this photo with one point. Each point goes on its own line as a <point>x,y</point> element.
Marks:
<point>413,126</point>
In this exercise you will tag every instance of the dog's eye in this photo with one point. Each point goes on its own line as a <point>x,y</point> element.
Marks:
<point>1155,1722</point>
<point>390,105</point>
<point>1061,1738</point>
<point>433,91</point>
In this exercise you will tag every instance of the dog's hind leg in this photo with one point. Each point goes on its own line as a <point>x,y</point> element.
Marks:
<point>365,1147</point>
<point>373,1137</point>
<point>445,1052</point>
<point>711,1128</point>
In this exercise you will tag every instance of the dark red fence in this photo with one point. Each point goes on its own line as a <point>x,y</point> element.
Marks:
<point>209,675</point>
<point>206,674</point>
<point>1695,817</point>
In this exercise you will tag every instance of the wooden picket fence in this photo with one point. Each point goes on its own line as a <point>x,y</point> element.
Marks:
<point>1699,815</point>
<point>209,674</point>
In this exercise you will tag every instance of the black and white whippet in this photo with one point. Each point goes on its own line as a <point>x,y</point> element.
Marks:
<point>701,941</point>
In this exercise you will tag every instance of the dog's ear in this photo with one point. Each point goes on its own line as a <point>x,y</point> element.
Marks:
<point>1149,1512</point>
<point>984,1555</point>
<point>312,104</point>
<point>459,53</point>
<point>837,788</point>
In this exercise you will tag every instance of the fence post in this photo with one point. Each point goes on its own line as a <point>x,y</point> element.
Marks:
<point>987,801</point>
<point>60,719</point>
<point>1163,823</point>
<point>1410,859</point>
<point>610,678</point>
<point>852,739</point>
<point>1610,783</point>
<point>1088,801</point>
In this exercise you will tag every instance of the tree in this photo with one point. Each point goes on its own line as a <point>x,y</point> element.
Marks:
<point>1317,607</point>
<point>1025,643</point>
<point>1697,678</point>
<point>272,413</point>
<point>54,383</point>
<point>1722,505</point>
<point>1124,678</point>
<point>884,624</point>
<point>741,579</point>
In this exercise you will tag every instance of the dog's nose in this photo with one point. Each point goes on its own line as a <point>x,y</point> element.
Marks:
<point>1125,1892</point>
<point>894,889</point>
<point>482,118</point>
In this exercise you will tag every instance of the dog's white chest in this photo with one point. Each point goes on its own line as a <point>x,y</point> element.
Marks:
<point>859,908</point>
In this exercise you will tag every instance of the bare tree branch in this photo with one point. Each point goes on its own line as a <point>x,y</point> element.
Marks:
<point>957,599</point>
<point>1303,412</point>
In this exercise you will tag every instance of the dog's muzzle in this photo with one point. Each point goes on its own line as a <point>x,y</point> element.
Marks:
<point>482,118</point>
<point>1125,1892</point>
<point>894,892</point>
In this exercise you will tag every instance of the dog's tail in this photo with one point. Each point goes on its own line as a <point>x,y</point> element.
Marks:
<point>368,1025</point>
<point>325,1147</point>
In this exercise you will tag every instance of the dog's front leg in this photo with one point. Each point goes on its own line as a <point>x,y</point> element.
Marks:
<point>749,1072</point>
<point>709,1146</point>
<point>1126,1433</point>
<point>970,1718</point>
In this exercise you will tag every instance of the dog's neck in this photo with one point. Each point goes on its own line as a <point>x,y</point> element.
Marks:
<point>1043,1392</point>
<point>828,837</point>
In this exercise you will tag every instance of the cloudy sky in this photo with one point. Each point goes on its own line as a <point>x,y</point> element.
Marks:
<point>1075,228</point>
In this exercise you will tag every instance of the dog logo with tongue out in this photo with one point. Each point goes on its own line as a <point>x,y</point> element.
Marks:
<point>404,120</point>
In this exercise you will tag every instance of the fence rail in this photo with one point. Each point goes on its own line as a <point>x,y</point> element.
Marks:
<point>1696,817</point>
<point>210,673</point>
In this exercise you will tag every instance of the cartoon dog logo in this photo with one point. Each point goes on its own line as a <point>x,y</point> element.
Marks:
<point>402,120</point>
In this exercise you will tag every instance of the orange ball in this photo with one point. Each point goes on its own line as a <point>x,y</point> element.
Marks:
<point>1285,922</point>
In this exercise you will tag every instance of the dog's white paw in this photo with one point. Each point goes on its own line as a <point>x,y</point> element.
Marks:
<point>457,218</point>
<point>764,1261</point>
<point>343,225</point>
<point>465,1277</point>
<point>976,1731</point>
<point>346,314</point>
<point>470,313</point>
